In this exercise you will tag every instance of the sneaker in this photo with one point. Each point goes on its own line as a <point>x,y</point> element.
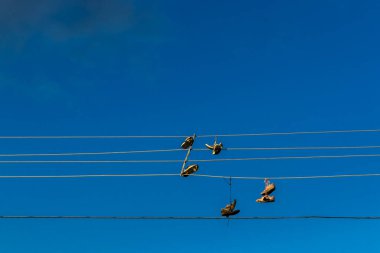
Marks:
<point>268,189</point>
<point>190,170</point>
<point>189,141</point>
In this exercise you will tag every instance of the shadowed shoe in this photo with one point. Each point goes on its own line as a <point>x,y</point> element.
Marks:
<point>189,141</point>
<point>216,148</point>
<point>265,199</point>
<point>229,210</point>
<point>190,170</point>
<point>268,189</point>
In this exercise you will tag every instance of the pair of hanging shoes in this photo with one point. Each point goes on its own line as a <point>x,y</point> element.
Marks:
<point>269,188</point>
<point>190,170</point>
<point>216,148</point>
<point>188,143</point>
<point>229,210</point>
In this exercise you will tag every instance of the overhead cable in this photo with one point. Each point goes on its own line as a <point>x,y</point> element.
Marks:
<point>291,177</point>
<point>193,175</point>
<point>195,160</point>
<point>291,133</point>
<point>94,153</point>
<point>189,217</point>
<point>88,176</point>
<point>287,158</point>
<point>181,150</point>
<point>300,148</point>
<point>96,137</point>
<point>183,136</point>
<point>92,161</point>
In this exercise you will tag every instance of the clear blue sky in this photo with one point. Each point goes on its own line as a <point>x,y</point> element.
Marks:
<point>171,67</point>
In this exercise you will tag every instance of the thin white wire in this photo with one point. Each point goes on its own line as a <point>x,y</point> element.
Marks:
<point>290,178</point>
<point>303,148</point>
<point>93,176</point>
<point>174,150</point>
<point>193,175</point>
<point>184,136</point>
<point>94,161</point>
<point>94,153</point>
<point>181,161</point>
<point>290,133</point>
<point>286,158</point>
<point>87,217</point>
<point>95,137</point>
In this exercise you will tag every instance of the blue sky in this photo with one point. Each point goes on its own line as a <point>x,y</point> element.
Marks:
<point>174,68</point>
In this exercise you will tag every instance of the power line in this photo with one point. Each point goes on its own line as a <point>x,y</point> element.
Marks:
<point>291,177</point>
<point>291,133</point>
<point>96,137</point>
<point>287,158</point>
<point>89,176</point>
<point>193,175</point>
<point>180,161</point>
<point>301,148</point>
<point>184,136</point>
<point>181,150</point>
<point>190,217</point>
<point>92,161</point>
<point>94,153</point>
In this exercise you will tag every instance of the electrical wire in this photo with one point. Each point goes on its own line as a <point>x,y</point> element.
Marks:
<point>290,178</point>
<point>189,217</point>
<point>192,175</point>
<point>181,150</point>
<point>181,161</point>
<point>88,176</point>
<point>91,161</point>
<point>96,137</point>
<point>287,158</point>
<point>290,133</point>
<point>184,136</point>
<point>300,148</point>
<point>94,153</point>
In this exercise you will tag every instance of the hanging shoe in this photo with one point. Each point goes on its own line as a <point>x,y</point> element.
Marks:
<point>269,188</point>
<point>234,212</point>
<point>229,210</point>
<point>216,148</point>
<point>265,199</point>
<point>190,170</point>
<point>189,141</point>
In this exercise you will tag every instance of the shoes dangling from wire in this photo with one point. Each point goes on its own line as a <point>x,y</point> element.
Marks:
<point>216,148</point>
<point>190,170</point>
<point>269,188</point>
<point>229,210</point>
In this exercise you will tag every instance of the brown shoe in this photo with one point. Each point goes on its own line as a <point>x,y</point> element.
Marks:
<point>268,189</point>
<point>265,199</point>
<point>189,141</point>
<point>216,148</point>
<point>228,213</point>
<point>190,170</point>
<point>229,209</point>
